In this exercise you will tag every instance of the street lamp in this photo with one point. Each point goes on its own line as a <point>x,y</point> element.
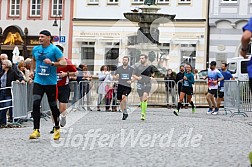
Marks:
<point>55,24</point>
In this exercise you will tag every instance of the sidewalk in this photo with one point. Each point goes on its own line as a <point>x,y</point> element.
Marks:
<point>103,139</point>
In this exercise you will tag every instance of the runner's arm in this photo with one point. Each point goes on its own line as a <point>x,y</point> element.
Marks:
<point>244,43</point>
<point>136,77</point>
<point>220,77</point>
<point>205,77</point>
<point>191,79</point>
<point>245,39</point>
<point>116,77</point>
<point>60,62</point>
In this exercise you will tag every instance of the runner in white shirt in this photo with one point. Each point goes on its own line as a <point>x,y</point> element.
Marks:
<point>214,76</point>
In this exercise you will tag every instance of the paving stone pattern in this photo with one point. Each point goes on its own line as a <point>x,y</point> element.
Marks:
<point>165,140</point>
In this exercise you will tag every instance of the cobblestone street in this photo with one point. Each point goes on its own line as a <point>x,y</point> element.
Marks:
<point>103,139</point>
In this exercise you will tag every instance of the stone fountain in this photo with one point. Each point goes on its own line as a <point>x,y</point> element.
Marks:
<point>148,19</point>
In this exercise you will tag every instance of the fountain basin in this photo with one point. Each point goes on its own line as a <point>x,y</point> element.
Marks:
<point>149,17</point>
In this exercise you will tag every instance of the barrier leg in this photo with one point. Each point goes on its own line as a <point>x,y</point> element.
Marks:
<point>239,113</point>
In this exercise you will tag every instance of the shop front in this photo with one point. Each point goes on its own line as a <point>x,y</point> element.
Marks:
<point>14,36</point>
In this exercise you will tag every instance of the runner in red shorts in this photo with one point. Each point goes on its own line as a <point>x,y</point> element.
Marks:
<point>63,74</point>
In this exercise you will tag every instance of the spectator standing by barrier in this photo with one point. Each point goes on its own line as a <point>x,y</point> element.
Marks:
<point>124,75</point>
<point>186,89</point>
<point>14,66</point>
<point>196,74</point>
<point>109,95</point>
<point>227,76</point>
<point>214,76</point>
<point>45,58</point>
<point>170,80</point>
<point>28,65</point>
<point>179,76</point>
<point>114,100</point>
<point>6,77</point>
<point>143,73</point>
<point>85,86</point>
<point>25,73</point>
<point>78,78</point>
<point>80,71</point>
<point>104,79</point>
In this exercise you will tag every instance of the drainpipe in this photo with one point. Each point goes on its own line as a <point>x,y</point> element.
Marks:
<point>208,34</point>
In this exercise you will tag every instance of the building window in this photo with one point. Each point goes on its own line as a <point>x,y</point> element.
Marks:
<point>112,55</point>
<point>88,55</point>
<point>57,7</point>
<point>35,7</point>
<point>137,1</point>
<point>15,8</point>
<point>185,1</point>
<point>96,2</point>
<point>229,1</point>
<point>163,1</point>
<point>188,54</point>
<point>113,2</point>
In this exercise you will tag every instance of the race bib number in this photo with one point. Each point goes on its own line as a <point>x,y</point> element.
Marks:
<point>125,76</point>
<point>58,77</point>
<point>44,70</point>
<point>140,86</point>
<point>186,83</point>
<point>211,82</point>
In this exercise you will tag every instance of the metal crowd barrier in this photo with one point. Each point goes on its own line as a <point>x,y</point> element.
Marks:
<point>74,96</point>
<point>18,106</point>
<point>200,89</point>
<point>93,93</point>
<point>44,106</point>
<point>20,102</point>
<point>23,102</point>
<point>90,94</point>
<point>4,107</point>
<point>237,97</point>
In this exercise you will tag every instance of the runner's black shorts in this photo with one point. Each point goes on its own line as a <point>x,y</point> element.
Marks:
<point>187,90</point>
<point>63,93</point>
<point>213,92</point>
<point>122,90</point>
<point>220,93</point>
<point>143,88</point>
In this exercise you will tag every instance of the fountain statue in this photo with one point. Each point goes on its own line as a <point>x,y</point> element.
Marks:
<point>148,20</point>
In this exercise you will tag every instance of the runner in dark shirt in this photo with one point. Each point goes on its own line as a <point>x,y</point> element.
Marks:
<point>124,74</point>
<point>143,74</point>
